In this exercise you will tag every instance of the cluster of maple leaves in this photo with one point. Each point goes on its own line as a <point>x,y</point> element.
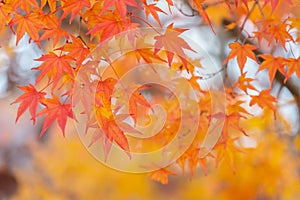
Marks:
<point>71,58</point>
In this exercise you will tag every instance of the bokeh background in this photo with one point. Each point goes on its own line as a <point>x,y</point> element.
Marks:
<point>57,167</point>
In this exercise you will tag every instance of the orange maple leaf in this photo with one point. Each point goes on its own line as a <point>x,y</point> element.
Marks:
<point>135,99</point>
<point>52,29</point>
<point>76,49</point>
<point>274,3</point>
<point>274,29</point>
<point>145,51</point>
<point>55,110</point>
<point>173,44</point>
<point>55,67</point>
<point>226,151</point>
<point>153,10</point>
<point>24,4</point>
<point>111,129</point>
<point>51,3</point>
<point>106,118</point>
<point>244,83</point>
<point>160,175</point>
<point>293,65</point>
<point>242,52</point>
<point>198,4</point>
<point>245,2</point>
<point>264,99</point>
<point>107,25</point>
<point>272,64</point>
<point>30,100</point>
<point>5,9</point>
<point>120,5</point>
<point>29,23</point>
<point>74,7</point>
<point>104,90</point>
<point>170,3</point>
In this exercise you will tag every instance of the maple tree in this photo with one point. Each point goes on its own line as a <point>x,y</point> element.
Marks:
<point>85,73</point>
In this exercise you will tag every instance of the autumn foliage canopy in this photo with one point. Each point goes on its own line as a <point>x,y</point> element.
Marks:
<point>108,64</point>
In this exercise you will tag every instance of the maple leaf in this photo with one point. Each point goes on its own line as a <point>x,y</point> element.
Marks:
<point>55,110</point>
<point>225,151</point>
<point>106,143</point>
<point>242,52</point>
<point>107,26</point>
<point>110,128</point>
<point>170,3</point>
<point>74,7</point>
<point>274,3</point>
<point>76,49</point>
<point>24,4</point>
<point>160,175</point>
<point>106,118</point>
<point>84,87</point>
<point>135,99</point>
<point>274,29</point>
<point>272,64</point>
<point>198,4</point>
<point>97,135</point>
<point>52,28</point>
<point>231,121</point>
<point>5,9</point>
<point>153,10</point>
<point>145,51</point>
<point>120,5</point>
<point>132,31</point>
<point>51,3</point>
<point>55,67</point>
<point>172,44</point>
<point>30,100</point>
<point>56,33</point>
<point>244,83</point>
<point>192,158</point>
<point>29,23</point>
<point>245,2</point>
<point>295,23</point>
<point>264,99</point>
<point>105,89</point>
<point>293,65</point>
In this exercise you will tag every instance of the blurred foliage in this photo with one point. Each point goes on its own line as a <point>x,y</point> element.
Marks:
<point>63,169</point>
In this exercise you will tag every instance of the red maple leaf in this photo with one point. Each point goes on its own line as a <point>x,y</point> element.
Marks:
<point>107,25</point>
<point>274,3</point>
<point>52,29</point>
<point>27,24</point>
<point>153,10</point>
<point>55,110</point>
<point>76,49</point>
<point>137,99</point>
<point>55,67</point>
<point>121,6</point>
<point>74,7</point>
<point>198,5</point>
<point>30,100</point>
